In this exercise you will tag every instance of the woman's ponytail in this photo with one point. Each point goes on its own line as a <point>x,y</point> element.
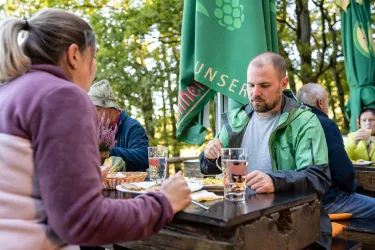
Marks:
<point>13,61</point>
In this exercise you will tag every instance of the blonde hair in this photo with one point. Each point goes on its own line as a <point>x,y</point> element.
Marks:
<point>49,33</point>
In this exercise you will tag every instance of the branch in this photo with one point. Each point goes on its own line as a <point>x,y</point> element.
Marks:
<point>288,24</point>
<point>315,40</point>
<point>168,42</point>
<point>324,40</point>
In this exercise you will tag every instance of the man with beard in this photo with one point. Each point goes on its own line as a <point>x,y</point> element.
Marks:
<point>287,149</point>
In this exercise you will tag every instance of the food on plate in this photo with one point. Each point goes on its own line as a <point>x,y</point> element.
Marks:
<point>134,187</point>
<point>153,188</point>
<point>131,187</point>
<point>358,161</point>
<point>212,181</point>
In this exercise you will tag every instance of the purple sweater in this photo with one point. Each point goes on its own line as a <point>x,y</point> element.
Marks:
<point>43,107</point>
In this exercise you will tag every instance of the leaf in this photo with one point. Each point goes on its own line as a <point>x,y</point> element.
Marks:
<point>202,9</point>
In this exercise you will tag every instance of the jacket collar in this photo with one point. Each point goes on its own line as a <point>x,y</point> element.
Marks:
<point>49,68</point>
<point>123,117</point>
<point>316,111</point>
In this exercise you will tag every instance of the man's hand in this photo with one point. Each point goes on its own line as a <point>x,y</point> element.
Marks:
<point>260,182</point>
<point>212,150</point>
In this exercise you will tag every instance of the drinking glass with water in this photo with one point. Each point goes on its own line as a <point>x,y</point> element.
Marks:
<point>157,161</point>
<point>234,167</point>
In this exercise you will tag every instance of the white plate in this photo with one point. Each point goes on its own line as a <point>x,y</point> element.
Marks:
<point>364,163</point>
<point>193,187</point>
<point>193,180</point>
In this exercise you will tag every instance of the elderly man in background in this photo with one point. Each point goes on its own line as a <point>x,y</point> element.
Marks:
<point>341,196</point>
<point>131,139</point>
<point>286,144</point>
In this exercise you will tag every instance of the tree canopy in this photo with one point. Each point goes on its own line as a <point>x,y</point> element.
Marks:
<point>139,53</point>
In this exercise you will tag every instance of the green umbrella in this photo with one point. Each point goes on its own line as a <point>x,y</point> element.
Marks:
<point>219,38</point>
<point>359,53</point>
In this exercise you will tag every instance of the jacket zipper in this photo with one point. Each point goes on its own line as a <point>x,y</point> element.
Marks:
<point>277,165</point>
<point>312,151</point>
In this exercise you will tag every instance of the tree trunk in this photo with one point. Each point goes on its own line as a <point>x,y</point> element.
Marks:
<point>330,98</point>
<point>340,93</point>
<point>173,103</point>
<point>147,108</point>
<point>303,32</point>
<point>282,51</point>
<point>165,132</point>
<point>335,71</point>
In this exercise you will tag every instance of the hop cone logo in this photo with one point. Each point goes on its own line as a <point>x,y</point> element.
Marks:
<point>229,13</point>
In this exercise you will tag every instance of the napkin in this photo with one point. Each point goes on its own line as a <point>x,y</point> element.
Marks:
<point>204,195</point>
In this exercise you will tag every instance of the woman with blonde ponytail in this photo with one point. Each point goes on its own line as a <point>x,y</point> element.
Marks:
<point>10,51</point>
<point>50,183</point>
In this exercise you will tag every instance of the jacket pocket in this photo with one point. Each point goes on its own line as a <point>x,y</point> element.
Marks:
<point>312,151</point>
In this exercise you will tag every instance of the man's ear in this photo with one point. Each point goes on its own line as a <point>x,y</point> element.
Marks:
<point>284,83</point>
<point>319,103</point>
<point>73,55</point>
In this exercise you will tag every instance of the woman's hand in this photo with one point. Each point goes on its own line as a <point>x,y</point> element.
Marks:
<point>104,171</point>
<point>359,136</point>
<point>177,192</point>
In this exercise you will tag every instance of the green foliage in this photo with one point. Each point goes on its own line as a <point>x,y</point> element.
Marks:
<point>139,52</point>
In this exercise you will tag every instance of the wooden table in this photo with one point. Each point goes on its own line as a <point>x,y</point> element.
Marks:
<point>267,221</point>
<point>365,177</point>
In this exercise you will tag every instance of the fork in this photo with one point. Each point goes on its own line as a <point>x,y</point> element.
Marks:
<point>200,204</point>
<point>217,164</point>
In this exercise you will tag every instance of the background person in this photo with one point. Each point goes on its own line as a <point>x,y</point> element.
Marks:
<point>341,196</point>
<point>131,138</point>
<point>360,144</point>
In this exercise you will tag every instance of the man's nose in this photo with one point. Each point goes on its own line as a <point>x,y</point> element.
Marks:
<point>257,91</point>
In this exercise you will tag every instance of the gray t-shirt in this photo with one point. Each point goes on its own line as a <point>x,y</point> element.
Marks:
<point>256,139</point>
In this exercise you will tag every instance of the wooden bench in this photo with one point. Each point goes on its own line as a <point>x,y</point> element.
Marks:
<point>362,230</point>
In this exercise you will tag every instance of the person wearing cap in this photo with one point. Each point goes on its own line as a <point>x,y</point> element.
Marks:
<point>131,137</point>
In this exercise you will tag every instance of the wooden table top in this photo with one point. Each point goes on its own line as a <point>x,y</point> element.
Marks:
<point>223,213</point>
<point>364,168</point>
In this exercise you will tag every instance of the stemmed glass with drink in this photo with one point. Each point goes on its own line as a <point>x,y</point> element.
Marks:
<point>157,159</point>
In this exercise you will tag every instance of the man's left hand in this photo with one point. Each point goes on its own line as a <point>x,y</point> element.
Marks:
<point>260,182</point>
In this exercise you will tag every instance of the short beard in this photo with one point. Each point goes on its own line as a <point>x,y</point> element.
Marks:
<point>266,107</point>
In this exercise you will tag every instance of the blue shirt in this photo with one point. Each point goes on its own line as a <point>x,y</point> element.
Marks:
<point>131,143</point>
